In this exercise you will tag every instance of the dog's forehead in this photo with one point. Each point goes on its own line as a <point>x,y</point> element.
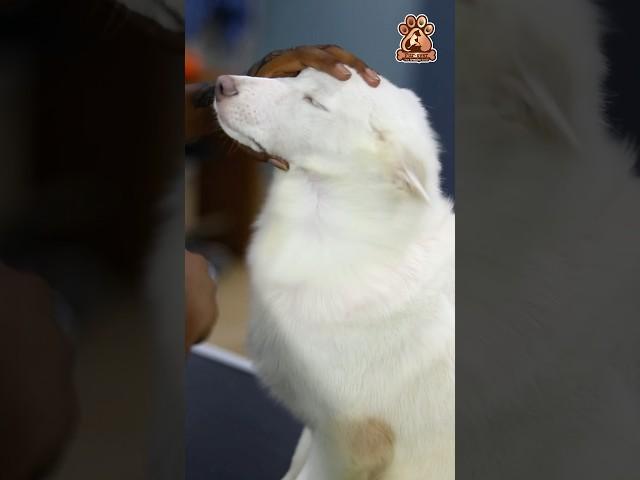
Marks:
<point>395,102</point>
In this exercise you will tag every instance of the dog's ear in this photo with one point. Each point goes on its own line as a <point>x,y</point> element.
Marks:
<point>408,171</point>
<point>411,174</point>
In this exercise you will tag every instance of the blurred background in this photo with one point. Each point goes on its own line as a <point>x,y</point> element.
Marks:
<point>224,189</point>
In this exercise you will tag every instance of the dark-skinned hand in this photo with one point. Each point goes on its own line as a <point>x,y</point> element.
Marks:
<point>201,309</point>
<point>330,59</point>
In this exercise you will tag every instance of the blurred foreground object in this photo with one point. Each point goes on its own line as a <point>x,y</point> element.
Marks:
<point>97,147</point>
<point>200,299</point>
<point>38,400</point>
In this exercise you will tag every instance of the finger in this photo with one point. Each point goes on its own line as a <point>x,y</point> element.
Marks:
<point>285,65</point>
<point>326,58</point>
<point>256,67</point>
<point>278,63</point>
<point>291,62</point>
<point>323,61</point>
<point>206,329</point>
<point>348,58</point>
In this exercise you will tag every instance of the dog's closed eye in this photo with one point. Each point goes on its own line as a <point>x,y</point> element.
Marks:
<point>312,101</point>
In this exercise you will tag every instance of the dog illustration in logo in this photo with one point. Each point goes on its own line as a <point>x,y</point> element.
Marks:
<point>416,44</point>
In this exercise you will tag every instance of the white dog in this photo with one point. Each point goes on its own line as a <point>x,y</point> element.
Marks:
<point>352,267</point>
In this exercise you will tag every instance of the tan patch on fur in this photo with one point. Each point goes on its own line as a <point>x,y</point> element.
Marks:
<point>370,444</point>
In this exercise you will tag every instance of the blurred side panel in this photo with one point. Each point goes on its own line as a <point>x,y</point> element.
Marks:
<point>91,239</point>
<point>548,247</point>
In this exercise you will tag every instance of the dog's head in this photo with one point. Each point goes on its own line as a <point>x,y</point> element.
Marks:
<point>334,129</point>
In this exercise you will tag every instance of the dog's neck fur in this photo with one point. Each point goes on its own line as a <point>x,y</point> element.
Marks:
<point>324,229</point>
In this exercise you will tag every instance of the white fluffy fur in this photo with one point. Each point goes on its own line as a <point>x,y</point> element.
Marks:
<point>352,268</point>
<point>549,260</point>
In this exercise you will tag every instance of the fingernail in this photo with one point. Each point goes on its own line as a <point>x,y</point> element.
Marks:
<point>279,163</point>
<point>344,70</point>
<point>373,76</point>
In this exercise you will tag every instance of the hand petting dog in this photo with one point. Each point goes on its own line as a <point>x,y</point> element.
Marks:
<point>329,59</point>
<point>200,122</point>
<point>199,117</point>
<point>201,308</point>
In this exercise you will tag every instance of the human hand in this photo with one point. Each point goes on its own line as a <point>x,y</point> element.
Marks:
<point>200,299</point>
<point>330,59</point>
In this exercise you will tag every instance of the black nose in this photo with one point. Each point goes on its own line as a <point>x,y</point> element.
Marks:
<point>225,87</point>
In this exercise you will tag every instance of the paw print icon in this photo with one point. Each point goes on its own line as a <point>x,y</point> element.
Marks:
<point>416,44</point>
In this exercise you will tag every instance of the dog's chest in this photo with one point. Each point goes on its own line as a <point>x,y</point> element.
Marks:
<point>319,360</point>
